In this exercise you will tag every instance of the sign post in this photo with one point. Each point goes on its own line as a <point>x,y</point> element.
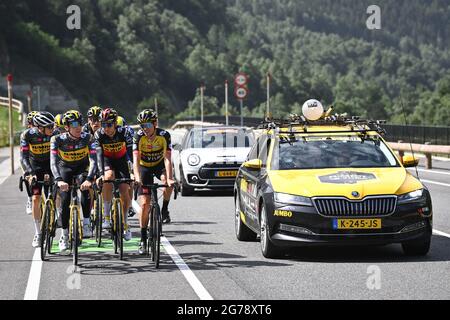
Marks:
<point>9,79</point>
<point>268,96</point>
<point>226,102</point>
<point>241,91</point>
<point>202,88</point>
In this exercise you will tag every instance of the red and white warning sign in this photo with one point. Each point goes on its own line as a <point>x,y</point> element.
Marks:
<point>241,92</point>
<point>241,79</point>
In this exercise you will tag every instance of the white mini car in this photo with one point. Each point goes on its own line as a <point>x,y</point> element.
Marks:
<point>210,157</point>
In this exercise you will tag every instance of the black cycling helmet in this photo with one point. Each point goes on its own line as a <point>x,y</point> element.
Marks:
<point>71,116</point>
<point>147,115</point>
<point>94,112</point>
<point>109,115</point>
<point>44,119</point>
<point>30,117</point>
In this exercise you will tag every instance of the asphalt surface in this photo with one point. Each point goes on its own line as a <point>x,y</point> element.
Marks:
<point>202,233</point>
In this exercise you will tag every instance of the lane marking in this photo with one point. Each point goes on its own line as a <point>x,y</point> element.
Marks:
<point>434,182</point>
<point>440,233</point>
<point>199,289</point>
<point>34,278</point>
<point>431,171</point>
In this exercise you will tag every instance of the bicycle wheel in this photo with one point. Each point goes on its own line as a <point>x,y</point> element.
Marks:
<point>52,226</point>
<point>119,231</point>
<point>115,226</point>
<point>45,222</point>
<point>75,235</point>
<point>98,220</point>
<point>156,235</point>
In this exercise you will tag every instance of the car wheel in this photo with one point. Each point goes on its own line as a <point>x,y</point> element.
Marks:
<point>243,233</point>
<point>417,247</point>
<point>186,190</point>
<point>269,250</point>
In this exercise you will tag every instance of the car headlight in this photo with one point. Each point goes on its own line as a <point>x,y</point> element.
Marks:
<point>413,196</point>
<point>292,199</point>
<point>193,160</point>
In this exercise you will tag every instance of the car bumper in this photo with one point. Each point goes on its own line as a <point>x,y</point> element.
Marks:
<point>306,227</point>
<point>201,177</point>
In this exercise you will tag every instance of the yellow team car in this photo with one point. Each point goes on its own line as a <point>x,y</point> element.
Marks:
<point>330,181</point>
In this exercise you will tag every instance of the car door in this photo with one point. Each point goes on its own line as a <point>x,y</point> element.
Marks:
<point>250,182</point>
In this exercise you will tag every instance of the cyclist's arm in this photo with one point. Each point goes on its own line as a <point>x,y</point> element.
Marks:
<point>54,159</point>
<point>92,160</point>
<point>168,164</point>
<point>25,154</point>
<point>129,143</point>
<point>99,151</point>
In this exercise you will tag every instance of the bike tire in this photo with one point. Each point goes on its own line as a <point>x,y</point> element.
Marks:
<point>75,235</point>
<point>99,221</point>
<point>157,238</point>
<point>45,230</point>
<point>119,231</point>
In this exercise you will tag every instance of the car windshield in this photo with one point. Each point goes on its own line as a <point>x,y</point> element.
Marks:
<point>332,152</point>
<point>220,138</point>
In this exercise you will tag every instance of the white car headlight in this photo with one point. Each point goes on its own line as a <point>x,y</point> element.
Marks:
<point>193,160</point>
<point>291,199</point>
<point>413,196</point>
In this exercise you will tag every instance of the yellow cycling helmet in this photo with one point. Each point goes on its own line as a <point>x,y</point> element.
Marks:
<point>30,117</point>
<point>71,116</point>
<point>120,121</point>
<point>59,120</point>
<point>94,112</point>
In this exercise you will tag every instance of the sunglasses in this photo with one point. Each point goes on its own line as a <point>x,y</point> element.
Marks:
<point>75,124</point>
<point>147,125</point>
<point>107,124</point>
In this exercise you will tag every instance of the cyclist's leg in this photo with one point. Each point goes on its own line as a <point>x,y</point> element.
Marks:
<point>107,192</point>
<point>67,175</point>
<point>36,209</point>
<point>86,207</point>
<point>122,172</point>
<point>144,204</point>
<point>167,193</point>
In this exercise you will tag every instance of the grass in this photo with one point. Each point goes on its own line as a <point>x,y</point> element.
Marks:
<point>4,126</point>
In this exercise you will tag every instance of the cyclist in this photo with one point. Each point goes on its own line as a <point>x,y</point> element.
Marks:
<point>152,157</point>
<point>30,125</point>
<point>114,144</point>
<point>73,154</point>
<point>35,161</point>
<point>93,124</point>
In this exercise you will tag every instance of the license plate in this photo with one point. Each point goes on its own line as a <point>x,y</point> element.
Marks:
<point>230,173</point>
<point>354,224</point>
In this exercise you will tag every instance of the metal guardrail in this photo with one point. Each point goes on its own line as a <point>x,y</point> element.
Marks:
<point>16,104</point>
<point>427,149</point>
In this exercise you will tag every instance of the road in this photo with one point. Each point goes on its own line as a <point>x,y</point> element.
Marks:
<point>212,264</point>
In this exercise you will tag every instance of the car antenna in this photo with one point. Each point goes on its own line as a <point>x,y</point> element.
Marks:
<point>409,134</point>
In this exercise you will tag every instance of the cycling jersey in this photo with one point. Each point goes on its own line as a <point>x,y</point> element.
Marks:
<point>73,153</point>
<point>34,150</point>
<point>112,150</point>
<point>152,152</point>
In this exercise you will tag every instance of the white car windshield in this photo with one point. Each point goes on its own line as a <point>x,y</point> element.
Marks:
<point>220,138</point>
<point>332,152</point>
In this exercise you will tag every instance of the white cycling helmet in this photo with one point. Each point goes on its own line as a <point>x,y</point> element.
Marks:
<point>44,119</point>
<point>312,110</point>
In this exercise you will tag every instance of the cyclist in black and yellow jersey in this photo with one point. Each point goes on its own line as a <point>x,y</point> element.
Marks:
<point>73,154</point>
<point>94,122</point>
<point>30,124</point>
<point>114,147</point>
<point>151,157</point>
<point>35,161</point>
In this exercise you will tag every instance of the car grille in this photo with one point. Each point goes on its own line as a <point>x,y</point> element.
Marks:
<point>341,207</point>
<point>208,170</point>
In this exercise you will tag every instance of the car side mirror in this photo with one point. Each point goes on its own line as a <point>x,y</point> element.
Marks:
<point>177,147</point>
<point>255,164</point>
<point>409,161</point>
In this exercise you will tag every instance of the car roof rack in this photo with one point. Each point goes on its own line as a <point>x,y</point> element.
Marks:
<point>294,120</point>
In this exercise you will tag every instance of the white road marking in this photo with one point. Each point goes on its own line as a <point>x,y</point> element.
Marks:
<point>440,233</point>
<point>199,289</point>
<point>434,182</point>
<point>34,279</point>
<point>432,171</point>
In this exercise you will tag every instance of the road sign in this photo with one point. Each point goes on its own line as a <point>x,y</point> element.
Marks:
<point>241,79</point>
<point>241,93</point>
